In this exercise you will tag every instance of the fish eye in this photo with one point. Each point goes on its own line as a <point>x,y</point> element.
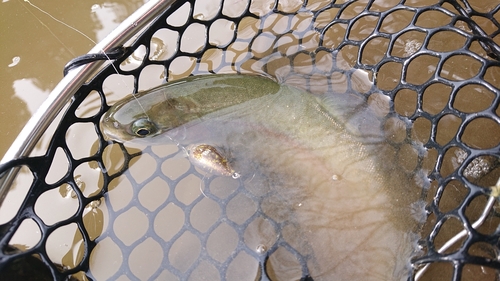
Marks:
<point>142,132</point>
<point>143,128</point>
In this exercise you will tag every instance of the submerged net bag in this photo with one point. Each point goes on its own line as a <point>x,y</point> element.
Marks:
<point>435,63</point>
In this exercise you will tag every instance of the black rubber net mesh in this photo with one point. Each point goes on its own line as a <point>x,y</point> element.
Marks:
<point>93,209</point>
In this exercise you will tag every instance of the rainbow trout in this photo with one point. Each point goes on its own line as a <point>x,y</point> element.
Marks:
<point>149,115</point>
<point>317,161</point>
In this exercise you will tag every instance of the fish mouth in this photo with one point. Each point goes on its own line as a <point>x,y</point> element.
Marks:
<point>111,136</point>
<point>115,131</point>
<point>110,129</point>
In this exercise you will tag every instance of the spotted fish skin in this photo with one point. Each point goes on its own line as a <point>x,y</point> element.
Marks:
<point>207,158</point>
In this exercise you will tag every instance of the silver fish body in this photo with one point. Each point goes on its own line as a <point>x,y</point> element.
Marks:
<point>148,115</point>
<point>319,164</point>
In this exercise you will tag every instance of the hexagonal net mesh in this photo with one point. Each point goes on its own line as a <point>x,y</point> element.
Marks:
<point>104,210</point>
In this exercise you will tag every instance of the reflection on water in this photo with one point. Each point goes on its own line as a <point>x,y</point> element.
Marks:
<point>140,197</point>
<point>30,94</point>
<point>33,51</point>
<point>35,48</point>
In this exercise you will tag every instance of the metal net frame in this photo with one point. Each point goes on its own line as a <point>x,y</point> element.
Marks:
<point>455,166</point>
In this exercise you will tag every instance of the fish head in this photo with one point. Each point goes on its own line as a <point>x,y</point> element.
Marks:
<point>141,119</point>
<point>140,129</point>
<point>170,109</point>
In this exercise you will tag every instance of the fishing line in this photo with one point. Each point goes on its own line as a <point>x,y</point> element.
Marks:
<point>59,21</point>
<point>67,25</point>
<point>84,35</point>
<point>44,25</point>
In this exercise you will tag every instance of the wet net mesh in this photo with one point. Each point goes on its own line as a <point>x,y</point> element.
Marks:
<point>436,61</point>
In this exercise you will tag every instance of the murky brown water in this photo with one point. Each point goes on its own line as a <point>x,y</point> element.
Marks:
<point>34,49</point>
<point>58,44</point>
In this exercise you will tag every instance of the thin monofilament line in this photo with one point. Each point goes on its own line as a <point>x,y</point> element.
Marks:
<point>84,35</point>
<point>59,21</point>
<point>68,26</point>
<point>44,25</point>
